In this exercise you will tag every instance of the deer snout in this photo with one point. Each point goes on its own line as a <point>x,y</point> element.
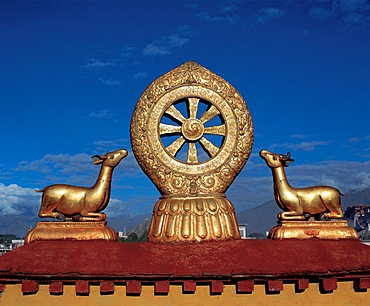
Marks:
<point>124,152</point>
<point>263,153</point>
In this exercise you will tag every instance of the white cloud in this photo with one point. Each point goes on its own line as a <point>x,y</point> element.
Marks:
<point>350,12</point>
<point>321,13</point>
<point>128,51</point>
<point>255,185</point>
<point>103,114</point>
<point>166,44</point>
<point>140,75</point>
<point>109,82</point>
<point>354,18</point>
<point>345,175</point>
<point>103,145</point>
<point>304,145</point>
<point>95,63</point>
<point>175,40</point>
<point>229,5</point>
<point>78,169</point>
<point>349,6</point>
<point>117,207</point>
<point>354,140</point>
<point>267,14</point>
<point>221,12</point>
<point>17,200</point>
<point>62,168</point>
<point>299,136</point>
<point>206,16</point>
<point>156,49</point>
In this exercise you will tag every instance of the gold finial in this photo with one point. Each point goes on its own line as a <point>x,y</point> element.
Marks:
<point>192,133</point>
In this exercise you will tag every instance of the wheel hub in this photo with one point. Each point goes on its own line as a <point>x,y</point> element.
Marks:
<point>192,129</point>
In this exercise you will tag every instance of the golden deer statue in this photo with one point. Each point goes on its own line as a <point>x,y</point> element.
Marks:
<point>81,203</point>
<point>322,202</point>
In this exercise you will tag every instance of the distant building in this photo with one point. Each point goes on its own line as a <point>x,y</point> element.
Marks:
<point>17,243</point>
<point>243,231</point>
<point>4,248</point>
<point>122,235</point>
<point>358,217</point>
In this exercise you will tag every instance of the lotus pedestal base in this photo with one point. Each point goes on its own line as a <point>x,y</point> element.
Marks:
<point>71,231</point>
<point>202,218</point>
<point>313,229</point>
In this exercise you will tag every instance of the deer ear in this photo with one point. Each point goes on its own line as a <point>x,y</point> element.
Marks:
<point>97,159</point>
<point>288,161</point>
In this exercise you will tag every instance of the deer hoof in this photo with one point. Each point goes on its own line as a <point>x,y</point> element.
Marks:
<point>61,217</point>
<point>76,218</point>
<point>320,217</point>
<point>306,216</point>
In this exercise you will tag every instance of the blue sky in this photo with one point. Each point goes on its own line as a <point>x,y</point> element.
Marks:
<point>71,73</point>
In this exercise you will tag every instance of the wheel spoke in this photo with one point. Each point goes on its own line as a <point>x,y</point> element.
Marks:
<point>193,107</point>
<point>174,113</point>
<point>209,114</point>
<point>192,153</point>
<point>209,146</point>
<point>216,130</point>
<point>169,129</point>
<point>172,129</point>
<point>174,147</point>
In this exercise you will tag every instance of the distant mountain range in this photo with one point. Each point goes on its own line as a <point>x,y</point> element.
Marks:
<point>260,219</point>
<point>21,224</point>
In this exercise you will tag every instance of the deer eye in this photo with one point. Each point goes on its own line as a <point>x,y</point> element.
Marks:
<point>274,158</point>
<point>111,156</point>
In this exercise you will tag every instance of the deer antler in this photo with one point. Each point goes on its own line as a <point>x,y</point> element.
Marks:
<point>286,160</point>
<point>285,157</point>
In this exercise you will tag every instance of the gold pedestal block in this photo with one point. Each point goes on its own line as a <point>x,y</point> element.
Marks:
<point>338,229</point>
<point>71,231</point>
<point>199,218</point>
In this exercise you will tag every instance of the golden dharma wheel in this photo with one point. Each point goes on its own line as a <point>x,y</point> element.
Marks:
<point>192,133</point>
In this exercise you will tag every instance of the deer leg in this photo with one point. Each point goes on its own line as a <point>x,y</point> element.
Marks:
<point>334,215</point>
<point>47,209</point>
<point>52,214</point>
<point>334,208</point>
<point>291,215</point>
<point>91,216</point>
<point>48,214</point>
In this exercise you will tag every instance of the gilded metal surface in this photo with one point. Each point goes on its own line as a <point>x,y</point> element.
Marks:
<point>191,133</point>
<point>178,219</point>
<point>71,230</point>
<point>80,203</point>
<point>301,203</point>
<point>334,229</point>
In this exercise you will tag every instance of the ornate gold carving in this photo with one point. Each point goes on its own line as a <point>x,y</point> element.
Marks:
<point>71,230</point>
<point>191,133</point>
<point>178,219</point>
<point>159,100</point>
<point>337,229</point>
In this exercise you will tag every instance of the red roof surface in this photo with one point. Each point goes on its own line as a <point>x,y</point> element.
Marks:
<point>238,258</point>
